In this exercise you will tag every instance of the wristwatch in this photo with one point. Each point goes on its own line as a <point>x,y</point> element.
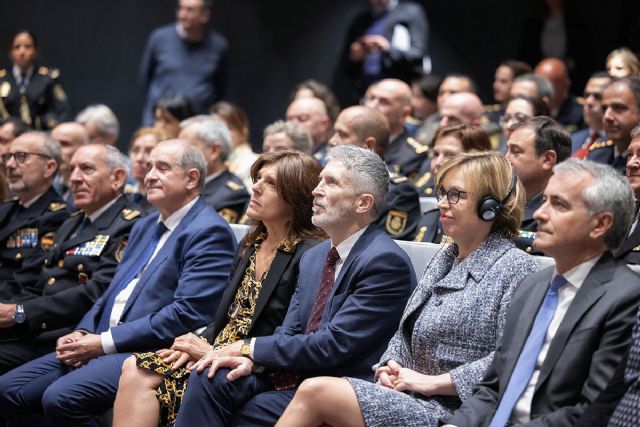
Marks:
<point>19,316</point>
<point>246,348</point>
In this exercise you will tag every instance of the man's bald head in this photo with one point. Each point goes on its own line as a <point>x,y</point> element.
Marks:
<point>461,108</point>
<point>556,71</point>
<point>391,97</point>
<point>311,113</point>
<point>361,126</point>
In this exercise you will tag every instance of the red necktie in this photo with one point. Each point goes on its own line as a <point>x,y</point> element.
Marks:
<point>581,153</point>
<point>285,380</point>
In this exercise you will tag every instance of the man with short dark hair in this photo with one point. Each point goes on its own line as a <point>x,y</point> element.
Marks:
<point>185,58</point>
<point>29,221</point>
<point>621,113</point>
<point>341,316</point>
<point>223,190</point>
<point>170,281</point>
<point>367,128</point>
<point>10,129</point>
<point>568,326</point>
<point>534,148</point>
<point>592,115</point>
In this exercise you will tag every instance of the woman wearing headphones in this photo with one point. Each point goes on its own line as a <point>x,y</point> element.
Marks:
<point>454,318</point>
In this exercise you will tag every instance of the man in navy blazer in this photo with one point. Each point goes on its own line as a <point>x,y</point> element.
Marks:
<point>333,327</point>
<point>169,282</point>
<point>587,209</point>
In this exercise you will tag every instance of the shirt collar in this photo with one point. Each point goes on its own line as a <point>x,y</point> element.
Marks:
<point>17,74</point>
<point>344,247</point>
<point>212,177</point>
<point>174,219</point>
<point>576,276</point>
<point>29,203</point>
<point>94,216</point>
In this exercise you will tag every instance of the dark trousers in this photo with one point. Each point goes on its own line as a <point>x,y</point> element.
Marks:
<point>247,401</point>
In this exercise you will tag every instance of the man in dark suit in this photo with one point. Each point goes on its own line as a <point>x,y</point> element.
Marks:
<point>568,327</point>
<point>367,128</point>
<point>535,146</point>
<point>170,281</point>
<point>592,115</point>
<point>621,113</point>
<point>224,191</point>
<point>29,221</point>
<point>78,264</point>
<point>340,318</point>
<point>387,41</point>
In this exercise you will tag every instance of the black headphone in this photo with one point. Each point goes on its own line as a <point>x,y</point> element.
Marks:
<point>489,207</point>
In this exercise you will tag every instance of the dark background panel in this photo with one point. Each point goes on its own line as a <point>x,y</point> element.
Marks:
<point>277,43</point>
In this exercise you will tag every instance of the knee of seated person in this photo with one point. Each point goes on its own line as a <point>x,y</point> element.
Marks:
<point>312,387</point>
<point>55,399</point>
<point>130,369</point>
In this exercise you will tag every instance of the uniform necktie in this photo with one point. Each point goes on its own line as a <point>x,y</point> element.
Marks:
<point>581,153</point>
<point>285,380</point>
<point>133,271</point>
<point>526,364</point>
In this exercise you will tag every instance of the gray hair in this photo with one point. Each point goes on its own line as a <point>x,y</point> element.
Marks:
<point>50,146</point>
<point>102,117</point>
<point>543,85</point>
<point>609,193</point>
<point>296,133</point>
<point>367,173</point>
<point>211,131</point>
<point>114,158</point>
<point>635,131</point>
<point>192,158</point>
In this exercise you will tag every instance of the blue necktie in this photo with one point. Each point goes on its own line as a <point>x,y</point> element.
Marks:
<point>132,272</point>
<point>526,364</point>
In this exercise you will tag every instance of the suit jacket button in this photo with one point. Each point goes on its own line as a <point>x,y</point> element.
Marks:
<point>437,302</point>
<point>44,326</point>
<point>51,280</point>
<point>80,267</point>
<point>46,261</point>
<point>18,256</point>
<point>61,263</point>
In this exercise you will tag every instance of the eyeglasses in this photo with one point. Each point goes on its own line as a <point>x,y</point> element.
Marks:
<point>517,117</point>
<point>453,194</point>
<point>21,156</point>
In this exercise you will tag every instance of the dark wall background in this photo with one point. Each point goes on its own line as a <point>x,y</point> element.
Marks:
<point>277,43</point>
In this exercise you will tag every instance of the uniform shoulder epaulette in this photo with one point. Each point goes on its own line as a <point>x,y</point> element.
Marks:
<point>76,213</point>
<point>10,199</point>
<point>580,100</point>
<point>423,179</point>
<point>54,73</point>
<point>55,207</point>
<point>419,148</point>
<point>600,144</point>
<point>413,121</point>
<point>234,185</point>
<point>3,73</point>
<point>130,214</point>
<point>43,70</point>
<point>492,108</point>
<point>397,178</point>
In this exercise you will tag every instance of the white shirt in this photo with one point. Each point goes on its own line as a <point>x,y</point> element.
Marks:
<point>575,277</point>
<point>108,346</point>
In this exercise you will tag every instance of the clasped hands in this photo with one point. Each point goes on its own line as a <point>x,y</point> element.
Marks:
<point>195,354</point>
<point>367,44</point>
<point>394,376</point>
<point>77,348</point>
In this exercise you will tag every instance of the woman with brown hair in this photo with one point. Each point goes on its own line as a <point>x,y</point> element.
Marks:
<point>255,302</point>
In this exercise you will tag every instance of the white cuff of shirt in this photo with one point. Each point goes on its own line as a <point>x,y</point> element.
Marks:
<point>108,346</point>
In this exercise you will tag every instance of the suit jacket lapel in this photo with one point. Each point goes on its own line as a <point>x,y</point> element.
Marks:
<point>230,292</point>
<point>590,292</point>
<point>278,265</point>
<point>528,308</point>
<point>166,249</point>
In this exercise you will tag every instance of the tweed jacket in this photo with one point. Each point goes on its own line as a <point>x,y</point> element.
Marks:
<point>456,314</point>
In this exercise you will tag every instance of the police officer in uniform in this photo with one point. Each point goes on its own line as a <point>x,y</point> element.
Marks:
<point>222,190</point>
<point>81,263</point>
<point>629,250</point>
<point>32,94</point>
<point>367,128</point>
<point>28,222</point>
<point>621,107</point>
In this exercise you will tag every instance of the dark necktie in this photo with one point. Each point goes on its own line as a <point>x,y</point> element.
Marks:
<point>526,364</point>
<point>134,270</point>
<point>285,380</point>
<point>85,223</point>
